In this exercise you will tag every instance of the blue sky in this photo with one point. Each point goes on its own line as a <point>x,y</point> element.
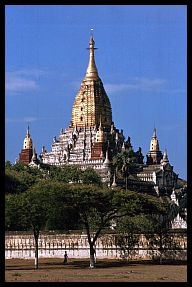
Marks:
<point>141,60</point>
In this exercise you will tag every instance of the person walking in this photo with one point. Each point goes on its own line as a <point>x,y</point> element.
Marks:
<point>65,258</point>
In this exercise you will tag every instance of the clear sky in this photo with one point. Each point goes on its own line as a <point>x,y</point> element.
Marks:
<point>141,60</point>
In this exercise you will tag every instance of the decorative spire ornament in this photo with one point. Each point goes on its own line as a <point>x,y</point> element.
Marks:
<point>165,157</point>
<point>92,72</point>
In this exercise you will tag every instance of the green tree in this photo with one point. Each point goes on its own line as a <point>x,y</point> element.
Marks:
<point>13,213</point>
<point>12,182</point>
<point>128,230</point>
<point>98,207</point>
<point>20,177</point>
<point>159,231</point>
<point>32,209</point>
<point>90,176</point>
<point>125,163</point>
<point>62,215</point>
<point>35,210</point>
<point>65,174</point>
<point>8,164</point>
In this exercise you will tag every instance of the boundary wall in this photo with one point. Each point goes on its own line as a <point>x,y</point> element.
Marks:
<point>54,244</point>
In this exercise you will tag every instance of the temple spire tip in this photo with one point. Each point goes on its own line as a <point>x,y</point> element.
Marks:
<point>92,69</point>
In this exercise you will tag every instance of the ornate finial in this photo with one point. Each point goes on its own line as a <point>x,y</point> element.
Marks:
<point>34,157</point>
<point>114,184</point>
<point>92,69</point>
<point>174,198</point>
<point>91,38</point>
<point>123,146</point>
<point>107,161</point>
<point>100,133</point>
<point>28,134</point>
<point>91,43</point>
<point>165,156</point>
<point>154,133</point>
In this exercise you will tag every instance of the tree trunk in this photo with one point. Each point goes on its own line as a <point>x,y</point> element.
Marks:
<point>161,249</point>
<point>160,258</point>
<point>36,256</point>
<point>92,256</point>
<point>36,235</point>
<point>126,180</point>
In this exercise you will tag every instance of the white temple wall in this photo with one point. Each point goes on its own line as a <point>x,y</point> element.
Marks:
<point>21,245</point>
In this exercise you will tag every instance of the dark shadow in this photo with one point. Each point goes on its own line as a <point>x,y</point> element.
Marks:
<point>19,267</point>
<point>84,264</point>
<point>120,263</point>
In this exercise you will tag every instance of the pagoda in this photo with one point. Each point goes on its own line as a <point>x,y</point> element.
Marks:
<point>26,153</point>
<point>91,139</point>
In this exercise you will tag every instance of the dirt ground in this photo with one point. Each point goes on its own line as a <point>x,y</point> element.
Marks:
<point>53,270</point>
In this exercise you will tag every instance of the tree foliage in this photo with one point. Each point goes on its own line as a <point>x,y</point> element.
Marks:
<point>65,174</point>
<point>90,176</point>
<point>125,163</point>
<point>71,174</point>
<point>68,198</point>
<point>14,219</point>
<point>128,230</point>
<point>20,177</point>
<point>158,232</point>
<point>98,207</point>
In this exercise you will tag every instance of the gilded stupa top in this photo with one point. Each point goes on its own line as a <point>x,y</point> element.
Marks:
<point>91,106</point>
<point>91,73</point>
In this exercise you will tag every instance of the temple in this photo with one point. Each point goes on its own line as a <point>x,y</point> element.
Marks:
<point>92,141</point>
<point>158,170</point>
<point>27,151</point>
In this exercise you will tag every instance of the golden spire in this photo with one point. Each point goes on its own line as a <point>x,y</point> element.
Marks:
<point>91,72</point>
<point>91,101</point>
